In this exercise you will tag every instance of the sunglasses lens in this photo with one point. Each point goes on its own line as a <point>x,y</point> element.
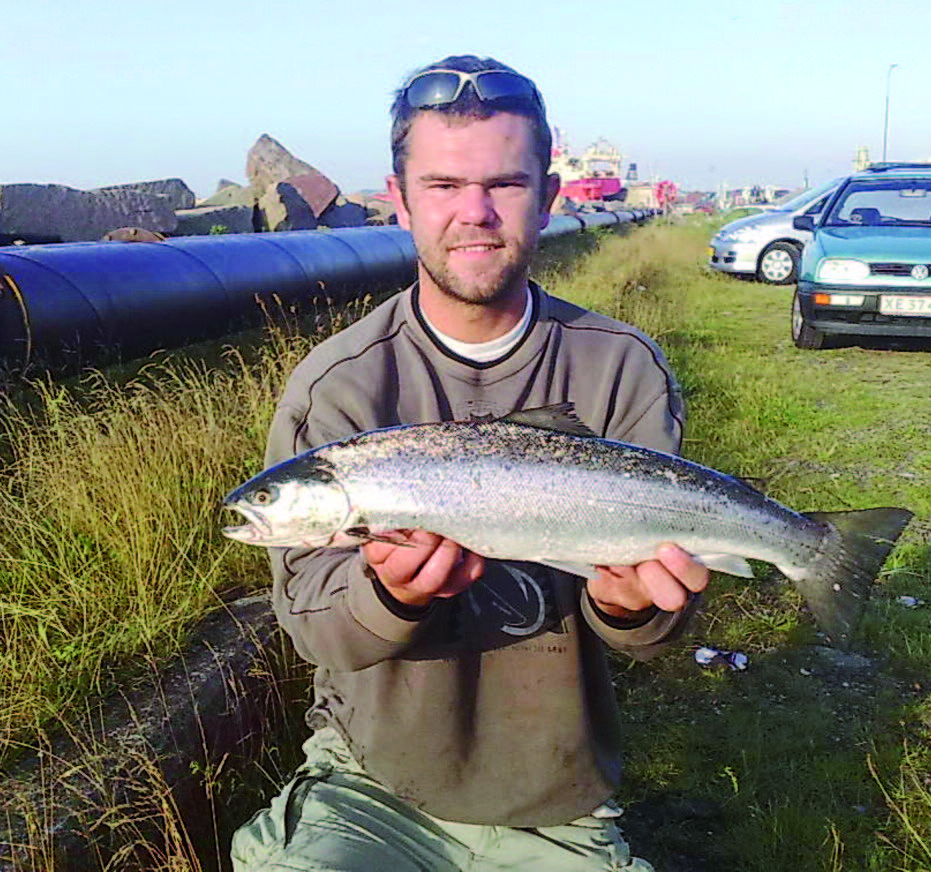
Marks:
<point>432,89</point>
<point>495,85</point>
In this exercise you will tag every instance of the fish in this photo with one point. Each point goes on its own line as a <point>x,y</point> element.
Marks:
<point>538,485</point>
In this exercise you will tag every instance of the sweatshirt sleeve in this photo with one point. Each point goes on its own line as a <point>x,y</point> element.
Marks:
<point>642,641</point>
<point>325,599</point>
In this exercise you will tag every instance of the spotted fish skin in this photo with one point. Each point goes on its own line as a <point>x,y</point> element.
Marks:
<point>538,487</point>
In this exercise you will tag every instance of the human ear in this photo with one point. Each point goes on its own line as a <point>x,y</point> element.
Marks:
<point>551,186</point>
<point>396,192</point>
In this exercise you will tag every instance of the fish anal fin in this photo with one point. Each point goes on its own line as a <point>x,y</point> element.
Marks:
<point>731,564</point>
<point>586,570</point>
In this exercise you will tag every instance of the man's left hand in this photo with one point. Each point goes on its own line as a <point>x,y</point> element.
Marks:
<point>665,582</point>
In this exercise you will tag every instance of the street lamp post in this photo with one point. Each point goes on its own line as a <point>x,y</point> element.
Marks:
<point>886,122</point>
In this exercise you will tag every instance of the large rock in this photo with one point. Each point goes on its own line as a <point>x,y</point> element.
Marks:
<point>342,213</point>
<point>179,195</point>
<point>205,220</point>
<point>269,162</point>
<point>283,208</point>
<point>69,215</point>
<point>379,208</point>
<point>233,195</point>
<point>315,189</point>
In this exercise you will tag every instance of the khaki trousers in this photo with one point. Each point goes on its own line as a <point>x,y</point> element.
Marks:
<point>334,817</point>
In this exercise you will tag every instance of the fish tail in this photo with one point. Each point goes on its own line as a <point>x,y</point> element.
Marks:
<point>837,584</point>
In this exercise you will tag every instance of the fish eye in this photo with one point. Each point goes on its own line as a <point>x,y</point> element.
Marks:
<point>263,496</point>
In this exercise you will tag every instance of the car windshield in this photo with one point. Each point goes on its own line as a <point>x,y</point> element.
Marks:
<point>883,202</point>
<point>806,198</point>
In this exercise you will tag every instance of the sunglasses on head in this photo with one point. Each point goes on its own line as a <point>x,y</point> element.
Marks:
<point>442,87</point>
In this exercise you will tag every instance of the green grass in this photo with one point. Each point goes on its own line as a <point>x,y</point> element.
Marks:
<point>110,518</point>
<point>801,762</point>
<point>110,549</point>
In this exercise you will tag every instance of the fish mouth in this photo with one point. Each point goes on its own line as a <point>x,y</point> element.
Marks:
<point>256,528</point>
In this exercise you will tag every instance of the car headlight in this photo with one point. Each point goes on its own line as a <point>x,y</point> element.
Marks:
<point>835,269</point>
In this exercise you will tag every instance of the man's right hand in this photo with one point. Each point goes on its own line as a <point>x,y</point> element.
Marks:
<point>422,566</point>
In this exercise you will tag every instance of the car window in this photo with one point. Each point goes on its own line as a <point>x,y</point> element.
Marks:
<point>886,202</point>
<point>815,208</point>
<point>805,199</point>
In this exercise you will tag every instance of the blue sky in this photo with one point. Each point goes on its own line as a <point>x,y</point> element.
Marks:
<point>756,91</point>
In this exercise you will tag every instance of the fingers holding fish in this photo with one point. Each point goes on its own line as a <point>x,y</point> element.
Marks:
<point>665,582</point>
<point>422,566</point>
<point>683,567</point>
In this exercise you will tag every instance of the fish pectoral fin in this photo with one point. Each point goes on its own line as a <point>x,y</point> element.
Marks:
<point>586,570</point>
<point>361,535</point>
<point>732,564</point>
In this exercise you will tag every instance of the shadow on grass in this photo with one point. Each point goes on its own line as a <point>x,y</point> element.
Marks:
<point>159,776</point>
<point>766,769</point>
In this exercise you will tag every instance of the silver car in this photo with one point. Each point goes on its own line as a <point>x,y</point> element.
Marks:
<point>766,245</point>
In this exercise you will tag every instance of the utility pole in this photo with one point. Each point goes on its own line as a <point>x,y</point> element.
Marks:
<point>886,123</point>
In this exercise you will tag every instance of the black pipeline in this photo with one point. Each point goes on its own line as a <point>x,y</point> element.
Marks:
<point>64,306</point>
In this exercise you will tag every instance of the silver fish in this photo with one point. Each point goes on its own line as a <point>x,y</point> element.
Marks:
<point>538,486</point>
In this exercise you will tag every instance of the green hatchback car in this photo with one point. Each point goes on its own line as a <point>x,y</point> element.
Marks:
<point>867,270</point>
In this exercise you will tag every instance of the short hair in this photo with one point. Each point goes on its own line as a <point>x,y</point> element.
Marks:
<point>468,105</point>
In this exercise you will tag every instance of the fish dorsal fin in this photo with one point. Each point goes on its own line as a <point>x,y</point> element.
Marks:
<point>560,417</point>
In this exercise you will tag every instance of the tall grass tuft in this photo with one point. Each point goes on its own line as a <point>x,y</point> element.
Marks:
<point>907,794</point>
<point>627,278</point>
<point>110,518</point>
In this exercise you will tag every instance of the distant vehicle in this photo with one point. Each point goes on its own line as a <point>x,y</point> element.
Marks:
<point>867,270</point>
<point>765,245</point>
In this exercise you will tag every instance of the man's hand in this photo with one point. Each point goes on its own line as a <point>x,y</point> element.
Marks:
<point>422,566</point>
<point>664,582</point>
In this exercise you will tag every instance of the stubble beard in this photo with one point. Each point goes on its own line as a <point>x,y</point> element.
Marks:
<point>479,290</point>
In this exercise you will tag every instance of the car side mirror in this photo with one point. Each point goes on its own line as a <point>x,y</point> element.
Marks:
<point>804,222</point>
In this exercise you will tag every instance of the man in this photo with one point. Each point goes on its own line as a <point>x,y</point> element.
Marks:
<point>463,725</point>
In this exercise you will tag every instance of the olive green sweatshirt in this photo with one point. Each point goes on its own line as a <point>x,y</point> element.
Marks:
<point>494,706</point>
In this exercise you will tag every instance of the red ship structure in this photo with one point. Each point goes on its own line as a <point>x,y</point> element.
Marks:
<point>596,175</point>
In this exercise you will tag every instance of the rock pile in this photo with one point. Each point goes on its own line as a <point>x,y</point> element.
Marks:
<point>283,193</point>
<point>57,213</point>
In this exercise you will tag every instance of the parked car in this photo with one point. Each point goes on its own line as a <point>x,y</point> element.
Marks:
<point>766,245</point>
<point>866,271</point>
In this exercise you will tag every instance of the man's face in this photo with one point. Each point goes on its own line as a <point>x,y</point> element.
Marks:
<point>474,203</point>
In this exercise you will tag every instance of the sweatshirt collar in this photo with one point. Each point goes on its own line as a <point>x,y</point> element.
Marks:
<point>523,330</point>
<point>493,349</point>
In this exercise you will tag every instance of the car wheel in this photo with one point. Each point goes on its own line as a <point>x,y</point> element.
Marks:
<point>803,334</point>
<point>779,264</point>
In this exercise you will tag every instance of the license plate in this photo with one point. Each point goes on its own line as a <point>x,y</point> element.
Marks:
<point>710,252</point>
<point>894,305</point>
